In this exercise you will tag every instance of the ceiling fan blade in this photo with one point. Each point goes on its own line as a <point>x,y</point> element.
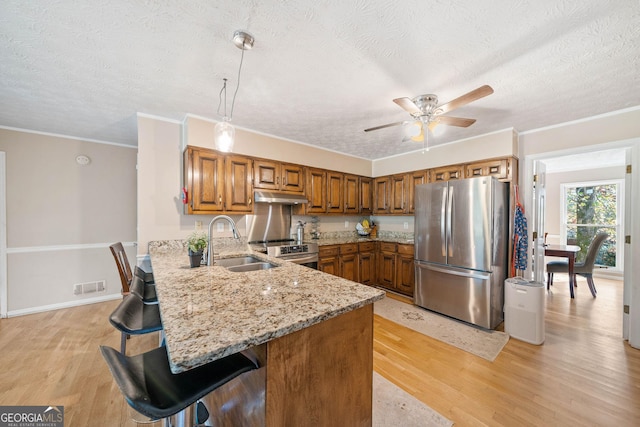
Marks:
<point>385,126</point>
<point>475,94</point>
<point>453,121</point>
<point>408,105</point>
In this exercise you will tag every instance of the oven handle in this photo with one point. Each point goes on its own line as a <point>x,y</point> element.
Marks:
<point>301,259</point>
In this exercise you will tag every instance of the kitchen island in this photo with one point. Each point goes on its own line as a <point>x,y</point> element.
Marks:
<point>311,333</point>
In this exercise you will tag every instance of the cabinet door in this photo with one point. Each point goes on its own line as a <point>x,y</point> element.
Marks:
<point>292,178</point>
<point>399,194</point>
<point>367,268</point>
<point>447,173</point>
<point>349,266</point>
<point>416,178</point>
<point>366,195</point>
<point>335,192</point>
<point>381,194</point>
<point>498,168</point>
<point>316,190</point>
<point>405,274</point>
<point>238,184</point>
<point>266,174</point>
<point>204,170</point>
<point>351,194</point>
<point>386,269</point>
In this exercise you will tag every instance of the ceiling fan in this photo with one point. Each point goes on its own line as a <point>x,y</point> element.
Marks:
<point>425,111</point>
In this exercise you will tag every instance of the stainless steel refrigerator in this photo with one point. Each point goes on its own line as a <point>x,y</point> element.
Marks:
<point>461,249</point>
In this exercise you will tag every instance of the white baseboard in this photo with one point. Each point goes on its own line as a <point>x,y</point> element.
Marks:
<point>58,306</point>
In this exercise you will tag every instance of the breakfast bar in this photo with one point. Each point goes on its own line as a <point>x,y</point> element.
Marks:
<point>310,332</point>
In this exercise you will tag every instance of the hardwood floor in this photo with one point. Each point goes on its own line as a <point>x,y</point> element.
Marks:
<point>584,373</point>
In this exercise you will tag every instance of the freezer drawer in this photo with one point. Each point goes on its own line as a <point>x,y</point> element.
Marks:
<point>471,296</point>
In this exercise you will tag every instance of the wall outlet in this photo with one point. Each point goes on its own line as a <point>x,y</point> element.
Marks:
<point>346,224</point>
<point>406,225</point>
<point>220,226</point>
<point>198,225</point>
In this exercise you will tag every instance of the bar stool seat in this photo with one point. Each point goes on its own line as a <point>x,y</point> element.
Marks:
<point>144,275</point>
<point>149,386</point>
<point>145,291</point>
<point>133,317</point>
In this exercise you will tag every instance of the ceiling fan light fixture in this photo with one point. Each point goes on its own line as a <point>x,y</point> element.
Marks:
<point>414,130</point>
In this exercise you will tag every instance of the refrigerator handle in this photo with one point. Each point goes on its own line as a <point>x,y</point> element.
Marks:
<point>443,225</point>
<point>450,222</point>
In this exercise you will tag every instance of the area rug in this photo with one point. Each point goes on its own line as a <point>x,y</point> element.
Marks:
<point>393,406</point>
<point>475,340</point>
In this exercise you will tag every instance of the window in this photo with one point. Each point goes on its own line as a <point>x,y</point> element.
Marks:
<point>592,207</point>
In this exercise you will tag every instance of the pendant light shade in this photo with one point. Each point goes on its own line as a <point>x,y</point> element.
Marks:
<point>224,136</point>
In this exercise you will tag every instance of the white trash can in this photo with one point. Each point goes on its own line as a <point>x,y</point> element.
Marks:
<point>524,303</point>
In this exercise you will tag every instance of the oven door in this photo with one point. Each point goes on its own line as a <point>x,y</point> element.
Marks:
<point>307,260</point>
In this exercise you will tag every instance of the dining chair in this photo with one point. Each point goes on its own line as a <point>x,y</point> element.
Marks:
<point>124,268</point>
<point>584,268</point>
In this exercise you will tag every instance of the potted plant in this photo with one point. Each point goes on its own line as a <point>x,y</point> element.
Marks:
<point>196,243</point>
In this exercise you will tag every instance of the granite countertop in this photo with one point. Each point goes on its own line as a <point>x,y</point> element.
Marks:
<point>211,312</point>
<point>354,238</point>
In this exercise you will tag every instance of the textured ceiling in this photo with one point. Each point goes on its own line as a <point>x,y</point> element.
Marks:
<point>321,71</point>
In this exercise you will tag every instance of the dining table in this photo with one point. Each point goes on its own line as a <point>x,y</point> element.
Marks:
<point>565,251</point>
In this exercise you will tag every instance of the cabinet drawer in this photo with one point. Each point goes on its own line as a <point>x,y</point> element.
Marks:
<point>327,251</point>
<point>349,248</point>
<point>405,249</point>
<point>387,247</point>
<point>366,246</point>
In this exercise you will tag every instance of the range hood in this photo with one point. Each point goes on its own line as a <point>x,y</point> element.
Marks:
<point>274,197</point>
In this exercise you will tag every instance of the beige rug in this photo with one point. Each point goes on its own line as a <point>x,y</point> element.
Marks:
<point>393,406</point>
<point>478,341</point>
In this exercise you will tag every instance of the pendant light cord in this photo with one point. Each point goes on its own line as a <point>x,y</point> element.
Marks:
<point>224,89</point>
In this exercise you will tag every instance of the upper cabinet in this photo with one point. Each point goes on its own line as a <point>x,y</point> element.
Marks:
<point>399,197</point>
<point>316,191</point>
<point>351,194</point>
<point>217,183</point>
<point>500,168</point>
<point>381,195</point>
<point>335,192</point>
<point>447,173</point>
<point>415,178</point>
<point>366,195</point>
<point>272,175</point>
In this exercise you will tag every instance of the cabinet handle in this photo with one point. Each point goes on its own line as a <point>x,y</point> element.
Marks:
<point>249,200</point>
<point>278,180</point>
<point>220,199</point>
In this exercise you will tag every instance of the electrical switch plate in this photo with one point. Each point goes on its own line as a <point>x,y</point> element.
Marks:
<point>198,225</point>
<point>220,226</point>
<point>346,224</point>
<point>406,225</point>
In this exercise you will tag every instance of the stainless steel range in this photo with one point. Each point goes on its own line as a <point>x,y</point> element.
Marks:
<point>304,254</point>
<point>270,227</point>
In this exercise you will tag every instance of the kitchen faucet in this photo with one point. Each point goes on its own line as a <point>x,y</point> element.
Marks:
<point>236,235</point>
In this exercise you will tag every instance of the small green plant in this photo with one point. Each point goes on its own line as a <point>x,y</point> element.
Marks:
<point>197,241</point>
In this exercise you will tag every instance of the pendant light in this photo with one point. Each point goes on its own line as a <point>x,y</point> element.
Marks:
<point>224,133</point>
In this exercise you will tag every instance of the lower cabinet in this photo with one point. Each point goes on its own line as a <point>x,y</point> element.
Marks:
<point>385,264</point>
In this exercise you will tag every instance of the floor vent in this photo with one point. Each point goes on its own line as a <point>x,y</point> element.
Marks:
<point>89,287</point>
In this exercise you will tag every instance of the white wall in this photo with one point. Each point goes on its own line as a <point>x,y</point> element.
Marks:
<point>61,217</point>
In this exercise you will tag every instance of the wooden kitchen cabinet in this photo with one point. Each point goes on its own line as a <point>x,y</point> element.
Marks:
<point>405,271</point>
<point>500,168</point>
<point>447,173</point>
<point>387,265</point>
<point>399,187</point>
<point>381,195</point>
<point>328,259</point>
<point>238,188</point>
<point>366,195</point>
<point>367,263</point>
<point>351,194</point>
<point>415,178</point>
<point>316,190</point>
<point>272,175</point>
<point>335,192</point>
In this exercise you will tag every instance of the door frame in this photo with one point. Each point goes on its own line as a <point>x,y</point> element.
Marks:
<point>3,235</point>
<point>631,286</point>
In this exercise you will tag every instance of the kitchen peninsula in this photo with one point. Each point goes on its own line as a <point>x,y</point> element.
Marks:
<point>315,330</point>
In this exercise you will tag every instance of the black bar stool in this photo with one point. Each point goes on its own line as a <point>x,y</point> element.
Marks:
<point>133,317</point>
<point>149,386</point>
<point>145,291</point>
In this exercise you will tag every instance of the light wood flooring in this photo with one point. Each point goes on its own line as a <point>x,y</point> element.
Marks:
<point>584,373</point>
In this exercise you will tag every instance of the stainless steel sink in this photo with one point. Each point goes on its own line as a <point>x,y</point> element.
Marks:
<point>241,260</point>
<point>252,267</point>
